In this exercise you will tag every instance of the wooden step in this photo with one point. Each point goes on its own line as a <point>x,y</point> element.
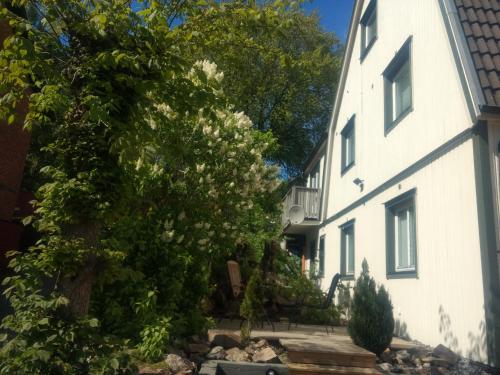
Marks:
<point>332,351</point>
<point>309,369</point>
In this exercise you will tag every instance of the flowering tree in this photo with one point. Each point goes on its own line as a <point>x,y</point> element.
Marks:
<point>147,174</point>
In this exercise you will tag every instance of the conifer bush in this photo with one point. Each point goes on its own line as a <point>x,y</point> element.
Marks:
<point>372,322</point>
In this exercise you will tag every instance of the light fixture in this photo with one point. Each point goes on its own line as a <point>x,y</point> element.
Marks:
<point>358,181</point>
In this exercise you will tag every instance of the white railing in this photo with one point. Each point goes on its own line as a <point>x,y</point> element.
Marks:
<point>308,198</point>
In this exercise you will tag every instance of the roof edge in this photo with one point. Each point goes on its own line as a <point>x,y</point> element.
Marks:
<point>351,38</point>
<point>463,59</point>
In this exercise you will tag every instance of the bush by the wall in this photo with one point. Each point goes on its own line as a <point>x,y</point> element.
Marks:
<point>372,323</point>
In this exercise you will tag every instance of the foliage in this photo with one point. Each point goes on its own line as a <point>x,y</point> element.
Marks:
<point>48,340</point>
<point>252,307</point>
<point>279,66</point>
<point>372,323</point>
<point>148,176</point>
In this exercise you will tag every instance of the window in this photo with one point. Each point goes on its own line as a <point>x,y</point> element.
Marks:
<point>314,177</point>
<point>322,256</point>
<point>401,236</point>
<point>398,87</point>
<point>312,258</point>
<point>348,145</point>
<point>347,249</point>
<point>368,28</point>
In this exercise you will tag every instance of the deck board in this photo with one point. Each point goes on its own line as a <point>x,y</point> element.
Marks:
<point>336,351</point>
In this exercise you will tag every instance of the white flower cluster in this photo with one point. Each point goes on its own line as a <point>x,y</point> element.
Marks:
<point>210,70</point>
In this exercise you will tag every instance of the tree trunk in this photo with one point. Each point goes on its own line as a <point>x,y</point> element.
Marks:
<point>78,287</point>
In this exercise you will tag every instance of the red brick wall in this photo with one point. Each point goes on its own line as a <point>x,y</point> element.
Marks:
<point>14,144</point>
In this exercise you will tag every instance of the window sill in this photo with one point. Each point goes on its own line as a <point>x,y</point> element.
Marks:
<point>401,117</point>
<point>347,277</point>
<point>367,49</point>
<point>346,169</point>
<point>402,275</point>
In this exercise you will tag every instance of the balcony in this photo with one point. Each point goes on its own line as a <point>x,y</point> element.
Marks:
<point>306,204</point>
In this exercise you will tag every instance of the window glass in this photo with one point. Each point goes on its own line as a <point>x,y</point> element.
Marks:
<point>370,29</point>
<point>347,250</point>
<point>401,235</point>
<point>402,90</point>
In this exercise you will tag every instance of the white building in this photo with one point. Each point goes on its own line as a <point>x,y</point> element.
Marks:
<point>412,167</point>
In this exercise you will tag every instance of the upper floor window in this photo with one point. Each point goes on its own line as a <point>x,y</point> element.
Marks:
<point>401,236</point>
<point>314,177</point>
<point>398,87</point>
<point>347,249</point>
<point>368,28</point>
<point>348,145</point>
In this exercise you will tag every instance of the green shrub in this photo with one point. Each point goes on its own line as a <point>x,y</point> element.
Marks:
<point>372,323</point>
<point>252,307</point>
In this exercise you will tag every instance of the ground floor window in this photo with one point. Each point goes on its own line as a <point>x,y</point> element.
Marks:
<point>321,271</point>
<point>401,236</point>
<point>312,258</point>
<point>347,249</point>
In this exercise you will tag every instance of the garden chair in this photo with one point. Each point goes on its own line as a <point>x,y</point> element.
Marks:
<point>294,309</point>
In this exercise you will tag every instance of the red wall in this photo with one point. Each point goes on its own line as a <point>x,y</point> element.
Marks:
<point>14,144</point>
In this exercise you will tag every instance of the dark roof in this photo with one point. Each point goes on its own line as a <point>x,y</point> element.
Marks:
<point>481,24</point>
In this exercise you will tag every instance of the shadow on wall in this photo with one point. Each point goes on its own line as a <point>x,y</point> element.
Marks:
<point>476,348</point>
<point>401,329</point>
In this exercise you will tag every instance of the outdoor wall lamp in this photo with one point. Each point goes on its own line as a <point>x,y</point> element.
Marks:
<point>358,181</point>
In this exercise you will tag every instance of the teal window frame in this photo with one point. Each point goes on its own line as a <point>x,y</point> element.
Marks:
<point>402,60</point>
<point>346,230</point>
<point>392,208</point>
<point>348,135</point>
<point>369,17</point>
<point>321,255</point>
<point>312,258</point>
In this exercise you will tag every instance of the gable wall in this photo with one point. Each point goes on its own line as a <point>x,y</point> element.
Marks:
<point>445,302</point>
<point>440,109</point>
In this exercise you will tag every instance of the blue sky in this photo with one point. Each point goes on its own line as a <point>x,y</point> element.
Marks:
<point>334,15</point>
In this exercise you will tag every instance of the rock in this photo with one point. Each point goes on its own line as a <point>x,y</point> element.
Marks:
<point>146,370</point>
<point>260,344</point>
<point>440,371</point>
<point>177,364</point>
<point>385,367</point>
<point>217,352</point>
<point>237,355</point>
<point>403,356</point>
<point>266,355</point>
<point>436,361</point>
<point>226,339</point>
<point>197,358</point>
<point>198,348</point>
<point>250,349</point>
<point>443,352</point>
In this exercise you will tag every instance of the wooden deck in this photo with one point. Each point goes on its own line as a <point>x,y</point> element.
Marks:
<point>312,351</point>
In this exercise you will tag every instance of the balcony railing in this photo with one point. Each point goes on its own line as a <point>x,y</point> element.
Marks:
<point>308,198</point>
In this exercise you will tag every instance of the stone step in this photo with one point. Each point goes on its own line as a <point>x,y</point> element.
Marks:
<point>331,352</point>
<point>310,369</point>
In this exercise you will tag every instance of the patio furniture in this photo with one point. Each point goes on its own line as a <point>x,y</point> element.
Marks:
<point>237,289</point>
<point>294,310</point>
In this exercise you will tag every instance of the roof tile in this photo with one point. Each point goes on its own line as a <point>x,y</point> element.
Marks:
<point>481,25</point>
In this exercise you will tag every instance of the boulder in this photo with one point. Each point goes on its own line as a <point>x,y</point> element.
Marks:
<point>237,355</point>
<point>225,338</point>
<point>385,367</point>
<point>217,352</point>
<point>260,344</point>
<point>177,364</point>
<point>266,355</point>
<point>250,349</point>
<point>147,370</point>
<point>443,352</point>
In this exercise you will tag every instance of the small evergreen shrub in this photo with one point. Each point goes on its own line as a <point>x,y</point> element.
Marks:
<point>372,322</point>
